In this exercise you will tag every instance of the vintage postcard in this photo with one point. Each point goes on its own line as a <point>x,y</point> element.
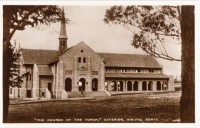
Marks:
<point>83,63</point>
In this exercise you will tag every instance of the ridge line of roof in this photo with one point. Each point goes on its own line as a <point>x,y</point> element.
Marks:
<point>122,53</point>
<point>38,49</point>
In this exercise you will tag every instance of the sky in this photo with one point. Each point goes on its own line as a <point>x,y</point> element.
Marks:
<point>87,25</point>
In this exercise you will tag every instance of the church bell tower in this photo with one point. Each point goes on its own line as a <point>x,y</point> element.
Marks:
<point>63,34</point>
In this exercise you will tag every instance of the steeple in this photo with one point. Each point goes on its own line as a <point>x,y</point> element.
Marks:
<point>63,34</point>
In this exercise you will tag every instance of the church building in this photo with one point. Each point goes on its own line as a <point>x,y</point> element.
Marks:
<point>63,73</point>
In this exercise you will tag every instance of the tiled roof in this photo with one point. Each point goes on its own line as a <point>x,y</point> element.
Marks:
<point>33,56</point>
<point>129,60</point>
<point>44,70</point>
<point>134,75</point>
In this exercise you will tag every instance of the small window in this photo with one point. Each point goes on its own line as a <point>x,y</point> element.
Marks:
<point>107,70</point>
<point>84,60</point>
<point>137,70</point>
<point>151,70</point>
<point>81,50</point>
<point>79,59</point>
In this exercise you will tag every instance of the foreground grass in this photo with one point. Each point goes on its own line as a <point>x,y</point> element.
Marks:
<point>125,108</point>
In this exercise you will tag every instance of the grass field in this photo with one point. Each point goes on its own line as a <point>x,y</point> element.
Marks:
<point>136,108</point>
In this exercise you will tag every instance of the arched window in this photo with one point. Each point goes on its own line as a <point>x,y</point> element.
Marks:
<point>79,59</point>
<point>84,60</point>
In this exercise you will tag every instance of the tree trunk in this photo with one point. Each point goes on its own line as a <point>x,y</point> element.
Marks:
<point>6,61</point>
<point>187,102</point>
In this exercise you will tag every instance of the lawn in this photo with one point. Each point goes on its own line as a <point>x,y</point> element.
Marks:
<point>134,108</point>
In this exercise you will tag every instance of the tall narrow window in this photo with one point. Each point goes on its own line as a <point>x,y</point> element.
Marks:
<point>79,59</point>
<point>84,60</point>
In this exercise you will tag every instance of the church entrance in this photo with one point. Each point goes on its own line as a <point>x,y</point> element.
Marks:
<point>68,84</point>
<point>94,84</point>
<point>82,80</point>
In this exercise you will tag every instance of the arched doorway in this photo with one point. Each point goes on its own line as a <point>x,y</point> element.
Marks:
<point>158,85</point>
<point>94,84</point>
<point>144,85</point>
<point>114,85</point>
<point>120,86</point>
<point>82,80</point>
<point>68,84</point>
<point>150,86</point>
<point>135,86</point>
<point>129,86</point>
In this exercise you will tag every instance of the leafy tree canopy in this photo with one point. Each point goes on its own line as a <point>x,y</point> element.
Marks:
<point>152,26</point>
<point>20,16</point>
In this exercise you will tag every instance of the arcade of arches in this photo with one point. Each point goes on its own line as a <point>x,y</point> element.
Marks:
<point>136,85</point>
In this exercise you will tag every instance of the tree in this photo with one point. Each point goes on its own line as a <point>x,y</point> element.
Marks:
<point>17,17</point>
<point>152,28</point>
<point>15,78</point>
<point>188,69</point>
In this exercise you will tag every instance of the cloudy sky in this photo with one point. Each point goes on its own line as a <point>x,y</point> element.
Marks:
<point>87,25</point>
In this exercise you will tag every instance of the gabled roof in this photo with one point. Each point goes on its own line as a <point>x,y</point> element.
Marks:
<point>44,70</point>
<point>33,56</point>
<point>129,60</point>
<point>135,75</point>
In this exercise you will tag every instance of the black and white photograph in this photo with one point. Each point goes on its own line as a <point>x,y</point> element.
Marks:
<point>96,63</point>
